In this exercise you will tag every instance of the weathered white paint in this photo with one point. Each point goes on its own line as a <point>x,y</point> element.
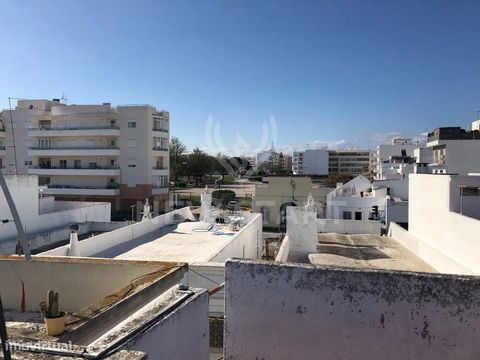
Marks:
<point>349,226</point>
<point>283,251</point>
<point>182,335</point>
<point>302,230</point>
<point>299,312</point>
<point>95,277</point>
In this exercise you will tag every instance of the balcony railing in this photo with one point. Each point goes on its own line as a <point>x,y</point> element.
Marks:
<point>160,168</point>
<point>75,167</point>
<point>56,186</point>
<point>99,127</point>
<point>158,148</point>
<point>75,148</point>
<point>159,129</point>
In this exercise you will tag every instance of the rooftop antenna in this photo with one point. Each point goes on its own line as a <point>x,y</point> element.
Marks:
<point>64,97</point>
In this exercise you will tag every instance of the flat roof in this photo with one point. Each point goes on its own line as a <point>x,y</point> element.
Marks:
<point>183,242</point>
<point>366,251</point>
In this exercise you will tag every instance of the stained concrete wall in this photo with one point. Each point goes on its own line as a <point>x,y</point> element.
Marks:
<point>182,335</point>
<point>301,312</point>
<point>79,282</point>
<point>348,226</point>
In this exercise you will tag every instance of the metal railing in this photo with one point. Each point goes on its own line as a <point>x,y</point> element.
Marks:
<point>106,187</point>
<point>100,127</point>
<point>159,168</point>
<point>159,129</point>
<point>75,167</point>
<point>158,148</point>
<point>75,148</point>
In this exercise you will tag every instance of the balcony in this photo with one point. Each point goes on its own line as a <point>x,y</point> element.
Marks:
<point>75,171</point>
<point>159,151</point>
<point>159,129</point>
<point>74,151</point>
<point>160,171</point>
<point>159,190</point>
<point>98,131</point>
<point>109,190</point>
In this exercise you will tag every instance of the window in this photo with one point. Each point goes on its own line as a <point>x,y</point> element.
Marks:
<point>92,165</point>
<point>77,164</point>
<point>132,124</point>
<point>43,181</point>
<point>131,163</point>
<point>347,215</point>
<point>63,164</point>
<point>112,143</point>
<point>44,143</point>
<point>112,162</point>
<point>132,143</point>
<point>1,163</point>
<point>28,163</point>
<point>358,215</point>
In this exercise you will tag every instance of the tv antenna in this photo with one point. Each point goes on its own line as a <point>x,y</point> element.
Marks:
<point>64,97</point>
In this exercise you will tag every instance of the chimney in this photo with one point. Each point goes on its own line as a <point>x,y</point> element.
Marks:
<point>73,247</point>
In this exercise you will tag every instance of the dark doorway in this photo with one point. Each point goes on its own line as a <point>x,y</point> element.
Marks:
<point>283,215</point>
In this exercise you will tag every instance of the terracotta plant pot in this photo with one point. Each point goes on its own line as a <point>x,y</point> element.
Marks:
<point>55,326</point>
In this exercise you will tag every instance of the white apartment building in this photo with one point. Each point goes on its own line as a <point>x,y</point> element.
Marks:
<point>388,159</point>
<point>325,162</point>
<point>90,152</point>
<point>455,150</point>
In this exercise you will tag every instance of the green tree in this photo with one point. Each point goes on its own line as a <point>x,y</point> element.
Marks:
<point>177,158</point>
<point>198,165</point>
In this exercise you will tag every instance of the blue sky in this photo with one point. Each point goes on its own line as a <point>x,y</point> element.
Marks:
<point>352,73</point>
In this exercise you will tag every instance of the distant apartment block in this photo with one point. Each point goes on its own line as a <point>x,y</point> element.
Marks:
<point>325,162</point>
<point>455,150</point>
<point>389,159</point>
<point>89,152</point>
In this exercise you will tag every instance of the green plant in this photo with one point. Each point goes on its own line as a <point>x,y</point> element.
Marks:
<point>50,308</point>
<point>223,196</point>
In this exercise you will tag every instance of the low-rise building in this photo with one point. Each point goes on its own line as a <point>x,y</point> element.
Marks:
<point>387,159</point>
<point>275,193</point>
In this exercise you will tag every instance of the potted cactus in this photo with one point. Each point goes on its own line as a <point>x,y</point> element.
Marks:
<point>54,319</point>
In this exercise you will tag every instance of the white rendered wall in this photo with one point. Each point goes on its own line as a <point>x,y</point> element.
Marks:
<point>24,191</point>
<point>293,311</point>
<point>432,197</point>
<point>348,226</point>
<point>99,243</point>
<point>246,244</point>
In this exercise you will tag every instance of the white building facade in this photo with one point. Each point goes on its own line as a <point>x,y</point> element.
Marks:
<point>388,159</point>
<point>90,152</point>
<point>325,162</point>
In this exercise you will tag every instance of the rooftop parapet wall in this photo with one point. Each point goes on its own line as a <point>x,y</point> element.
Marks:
<point>348,314</point>
<point>97,244</point>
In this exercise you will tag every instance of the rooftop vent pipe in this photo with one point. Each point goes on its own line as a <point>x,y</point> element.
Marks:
<point>73,248</point>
